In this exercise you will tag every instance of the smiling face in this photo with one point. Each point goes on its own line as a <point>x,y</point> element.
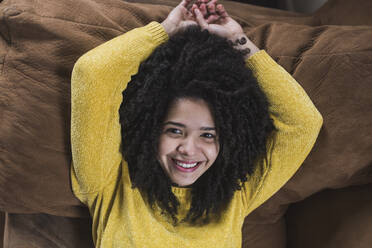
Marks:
<point>188,144</point>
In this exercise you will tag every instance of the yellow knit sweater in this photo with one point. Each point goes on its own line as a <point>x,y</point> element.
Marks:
<point>100,179</point>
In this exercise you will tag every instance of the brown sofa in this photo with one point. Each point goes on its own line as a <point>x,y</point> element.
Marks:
<point>326,204</point>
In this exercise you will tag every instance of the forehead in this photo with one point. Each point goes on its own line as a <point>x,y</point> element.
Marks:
<point>191,112</point>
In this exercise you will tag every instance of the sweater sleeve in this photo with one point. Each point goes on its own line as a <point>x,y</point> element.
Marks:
<point>98,80</point>
<point>297,121</point>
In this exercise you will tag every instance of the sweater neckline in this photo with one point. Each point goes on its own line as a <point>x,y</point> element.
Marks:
<point>180,192</point>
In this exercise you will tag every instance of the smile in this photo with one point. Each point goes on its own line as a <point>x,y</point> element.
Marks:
<point>186,166</point>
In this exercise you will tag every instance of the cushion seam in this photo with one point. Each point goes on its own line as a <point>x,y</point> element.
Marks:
<point>67,20</point>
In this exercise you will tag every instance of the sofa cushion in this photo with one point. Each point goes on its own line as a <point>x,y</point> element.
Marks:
<point>47,231</point>
<point>341,12</point>
<point>2,224</point>
<point>332,218</point>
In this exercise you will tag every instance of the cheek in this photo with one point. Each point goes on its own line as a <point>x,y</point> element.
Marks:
<point>212,152</point>
<point>161,145</point>
<point>166,145</point>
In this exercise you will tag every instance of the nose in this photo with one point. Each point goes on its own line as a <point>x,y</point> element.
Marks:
<point>188,147</point>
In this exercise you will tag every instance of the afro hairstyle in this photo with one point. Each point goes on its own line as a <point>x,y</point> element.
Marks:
<point>195,64</point>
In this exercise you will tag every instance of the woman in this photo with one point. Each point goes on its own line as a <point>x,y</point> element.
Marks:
<point>203,133</point>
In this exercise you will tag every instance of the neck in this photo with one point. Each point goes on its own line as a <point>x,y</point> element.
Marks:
<point>178,186</point>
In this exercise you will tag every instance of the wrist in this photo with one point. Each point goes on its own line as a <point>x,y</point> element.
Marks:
<point>241,42</point>
<point>169,28</point>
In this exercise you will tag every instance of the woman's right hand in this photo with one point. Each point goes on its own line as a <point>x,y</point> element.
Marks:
<point>221,24</point>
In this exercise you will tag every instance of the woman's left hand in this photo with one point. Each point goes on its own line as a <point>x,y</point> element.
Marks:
<point>179,18</point>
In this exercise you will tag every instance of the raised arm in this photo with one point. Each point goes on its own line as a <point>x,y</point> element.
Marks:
<point>298,123</point>
<point>98,79</point>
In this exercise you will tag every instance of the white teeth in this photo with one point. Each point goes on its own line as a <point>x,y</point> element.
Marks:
<point>186,165</point>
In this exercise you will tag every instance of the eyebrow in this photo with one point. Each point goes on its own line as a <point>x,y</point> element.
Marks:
<point>184,126</point>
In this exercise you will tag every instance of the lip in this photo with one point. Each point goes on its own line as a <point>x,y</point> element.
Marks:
<point>179,168</point>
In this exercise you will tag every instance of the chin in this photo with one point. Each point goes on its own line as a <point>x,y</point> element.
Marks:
<point>182,184</point>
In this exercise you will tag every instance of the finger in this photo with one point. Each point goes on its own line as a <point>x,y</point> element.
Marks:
<point>203,9</point>
<point>192,10</point>
<point>184,3</point>
<point>211,9</point>
<point>213,19</point>
<point>193,7</point>
<point>212,6</point>
<point>191,16</point>
<point>199,2</point>
<point>200,19</point>
<point>221,10</point>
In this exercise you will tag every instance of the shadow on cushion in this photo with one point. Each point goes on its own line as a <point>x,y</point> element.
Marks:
<point>43,230</point>
<point>327,218</point>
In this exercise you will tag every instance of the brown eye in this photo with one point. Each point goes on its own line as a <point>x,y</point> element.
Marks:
<point>208,135</point>
<point>173,131</point>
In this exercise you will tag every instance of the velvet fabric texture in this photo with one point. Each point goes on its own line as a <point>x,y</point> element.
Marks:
<point>2,225</point>
<point>43,230</point>
<point>329,53</point>
<point>332,218</point>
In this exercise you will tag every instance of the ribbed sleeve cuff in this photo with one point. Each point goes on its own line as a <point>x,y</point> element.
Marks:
<point>260,61</point>
<point>157,31</point>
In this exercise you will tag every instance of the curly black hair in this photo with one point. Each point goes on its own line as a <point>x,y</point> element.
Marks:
<point>198,65</point>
